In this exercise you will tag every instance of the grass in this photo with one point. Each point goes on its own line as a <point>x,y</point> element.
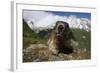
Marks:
<point>30,37</point>
<point>83,38</point>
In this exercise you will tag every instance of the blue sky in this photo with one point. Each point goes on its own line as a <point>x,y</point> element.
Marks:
<point>78,14</point>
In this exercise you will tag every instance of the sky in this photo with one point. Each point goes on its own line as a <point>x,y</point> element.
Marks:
<point>78,14</point>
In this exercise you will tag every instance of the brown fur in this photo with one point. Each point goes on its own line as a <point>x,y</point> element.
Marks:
<point>61,39</point>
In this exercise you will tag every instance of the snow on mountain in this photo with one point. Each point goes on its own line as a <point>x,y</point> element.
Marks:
<point>73,21</point>
<point>41,20</point>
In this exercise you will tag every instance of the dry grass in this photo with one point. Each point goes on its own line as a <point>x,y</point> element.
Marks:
<point>40,52</point>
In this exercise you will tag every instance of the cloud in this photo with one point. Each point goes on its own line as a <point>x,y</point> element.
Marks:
<point>41,20</point>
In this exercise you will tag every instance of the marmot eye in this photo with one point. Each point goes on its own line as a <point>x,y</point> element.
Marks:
<point>60,27</point>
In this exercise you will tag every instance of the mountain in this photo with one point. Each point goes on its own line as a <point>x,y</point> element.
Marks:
<point>41,20</point>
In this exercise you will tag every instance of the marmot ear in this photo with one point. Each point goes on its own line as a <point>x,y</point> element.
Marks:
<point>66,25</point>
<point>56,24</point>
<point>59,22</point>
